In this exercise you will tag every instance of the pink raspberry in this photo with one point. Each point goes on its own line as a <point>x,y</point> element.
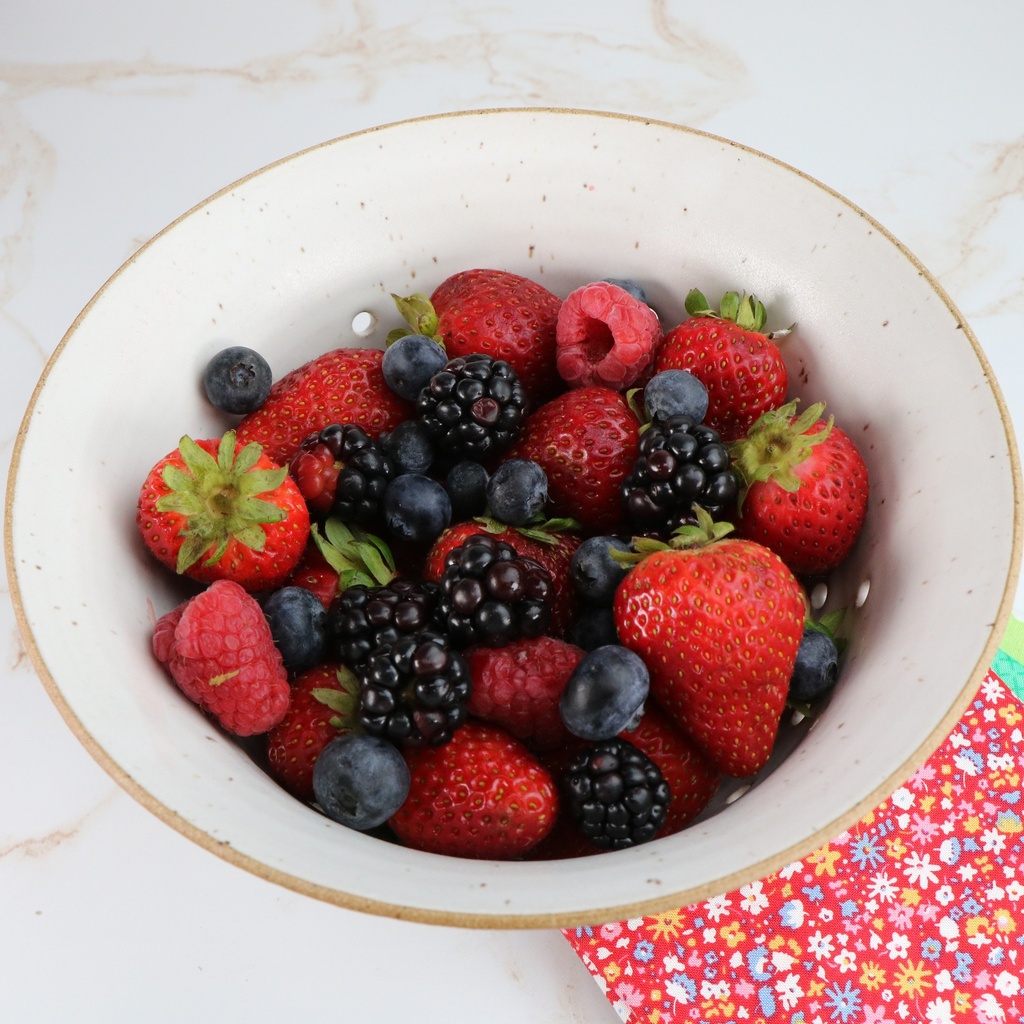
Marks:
<point>518,687</point>
<point>219,650</point>
<point>605,336</point>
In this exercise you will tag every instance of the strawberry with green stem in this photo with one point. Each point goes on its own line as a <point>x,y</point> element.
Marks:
<point>805,488</point>
<point>718,621</point>
<point>220,509</point>
<point>729,351</point>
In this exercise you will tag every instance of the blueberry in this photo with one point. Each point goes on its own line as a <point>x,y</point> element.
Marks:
<point>360,780</point>
<point>298,622</point>
<point>517,491</point>
<point>408,446</point>
<point>467,487</point>
<point>416,508</point>
<point>237,380</point>
<point>629,285</point>
<point>605,694</point>
<point>410,362</point>
<point>595,574</point>
<point>676,393</point>
<point>593,627</point>
<point>817,666</point>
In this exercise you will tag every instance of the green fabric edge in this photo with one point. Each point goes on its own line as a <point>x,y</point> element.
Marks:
<point>1008,663</point>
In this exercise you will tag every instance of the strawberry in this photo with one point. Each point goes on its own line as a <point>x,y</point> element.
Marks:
<point>586,440</point>
<point>718,621</point>
<point>222,510</point>
<point>690,774</point>
<point>551,544</point>
<point>483,795</point>
<point>342,386</point>
<point>315,574</point>
<point>218,648</point>
<point>730,354</point>
<point>806,493</point>
<point>505,316</point>
<point>605,336</point>
<point>324,704</point>
<point>518,686</point>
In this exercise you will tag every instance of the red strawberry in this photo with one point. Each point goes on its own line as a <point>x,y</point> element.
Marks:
<point>718,626</point>
<point>807,488</point>
<point>219,510</point>
<point>518,687</point>
<point>548,544</point>
<point>483,794</point>
<point>343,386</point>
<point>323,705</point>
<point>691,776</point>
<point>729,353</point>
<point>315,574</point>
<point>219,650</point>
<point>586,440</point>
<point>606,336</point>
<point>505,316</point>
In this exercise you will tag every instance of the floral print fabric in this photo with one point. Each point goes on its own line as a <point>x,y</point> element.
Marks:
<point>915,914</point>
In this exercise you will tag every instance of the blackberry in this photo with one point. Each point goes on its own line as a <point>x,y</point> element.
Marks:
<point>492,595</point>
<point>363,618</point>
<point>616,794</point>
<point>473,408</point>
<point>413,691</point>
<point>681,464</point>
<point>350,485</point>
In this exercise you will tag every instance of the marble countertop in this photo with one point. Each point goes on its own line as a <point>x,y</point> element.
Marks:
<point>116,117</point>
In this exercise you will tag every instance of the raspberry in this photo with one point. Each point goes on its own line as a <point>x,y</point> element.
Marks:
<point>220,651</point>
<point>518,686</point>
<point>605,336</point>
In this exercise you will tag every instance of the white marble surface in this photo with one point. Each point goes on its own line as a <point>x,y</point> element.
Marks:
<point>116,117</point>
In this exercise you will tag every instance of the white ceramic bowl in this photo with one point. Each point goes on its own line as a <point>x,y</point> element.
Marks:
<point>287,258</point>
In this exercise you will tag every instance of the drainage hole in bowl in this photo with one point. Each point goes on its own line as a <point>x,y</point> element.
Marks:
<point>819,595</point>
<point>363,324</point>
<point>862,593</point>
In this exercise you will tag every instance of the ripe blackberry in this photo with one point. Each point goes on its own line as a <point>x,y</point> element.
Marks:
<point>473,408</point>
<point>681,464</point>
<point>342,471</point>
<point>491,595</point>
<point>413,691</point>
<point>363,618</point>
<point>616,794</point>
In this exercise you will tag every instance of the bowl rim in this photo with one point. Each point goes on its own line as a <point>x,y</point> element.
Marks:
<point>520,920</point>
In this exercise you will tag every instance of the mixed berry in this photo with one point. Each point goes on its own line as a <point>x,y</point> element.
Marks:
<point>530,582</point>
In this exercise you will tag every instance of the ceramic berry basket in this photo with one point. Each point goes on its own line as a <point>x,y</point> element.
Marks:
<point>301,257</point>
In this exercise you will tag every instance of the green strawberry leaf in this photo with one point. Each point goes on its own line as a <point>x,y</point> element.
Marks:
<point>418,312</point>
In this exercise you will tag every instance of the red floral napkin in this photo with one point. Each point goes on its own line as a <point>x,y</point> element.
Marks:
<point>915,914</point>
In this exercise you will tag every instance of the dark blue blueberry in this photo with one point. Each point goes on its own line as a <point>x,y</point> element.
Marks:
<point>408,446</point>
<point>595,574</point>
<point>298,622</point>
<point>416,508</point>
<point>360,780</point>
<point>410,362</point>
<point>467,487</point>
<point>676,393</point>
<point>517,491</point>
<point>629,285</point>
<point>237,380</point>
<point>605,694</point>
<point>593,627</point>
<point>817,666</point>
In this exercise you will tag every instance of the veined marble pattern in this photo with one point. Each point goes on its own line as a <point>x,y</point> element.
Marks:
<point>115,118</point>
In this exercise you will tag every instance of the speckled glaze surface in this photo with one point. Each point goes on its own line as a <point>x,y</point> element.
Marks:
<point>289,258</point>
